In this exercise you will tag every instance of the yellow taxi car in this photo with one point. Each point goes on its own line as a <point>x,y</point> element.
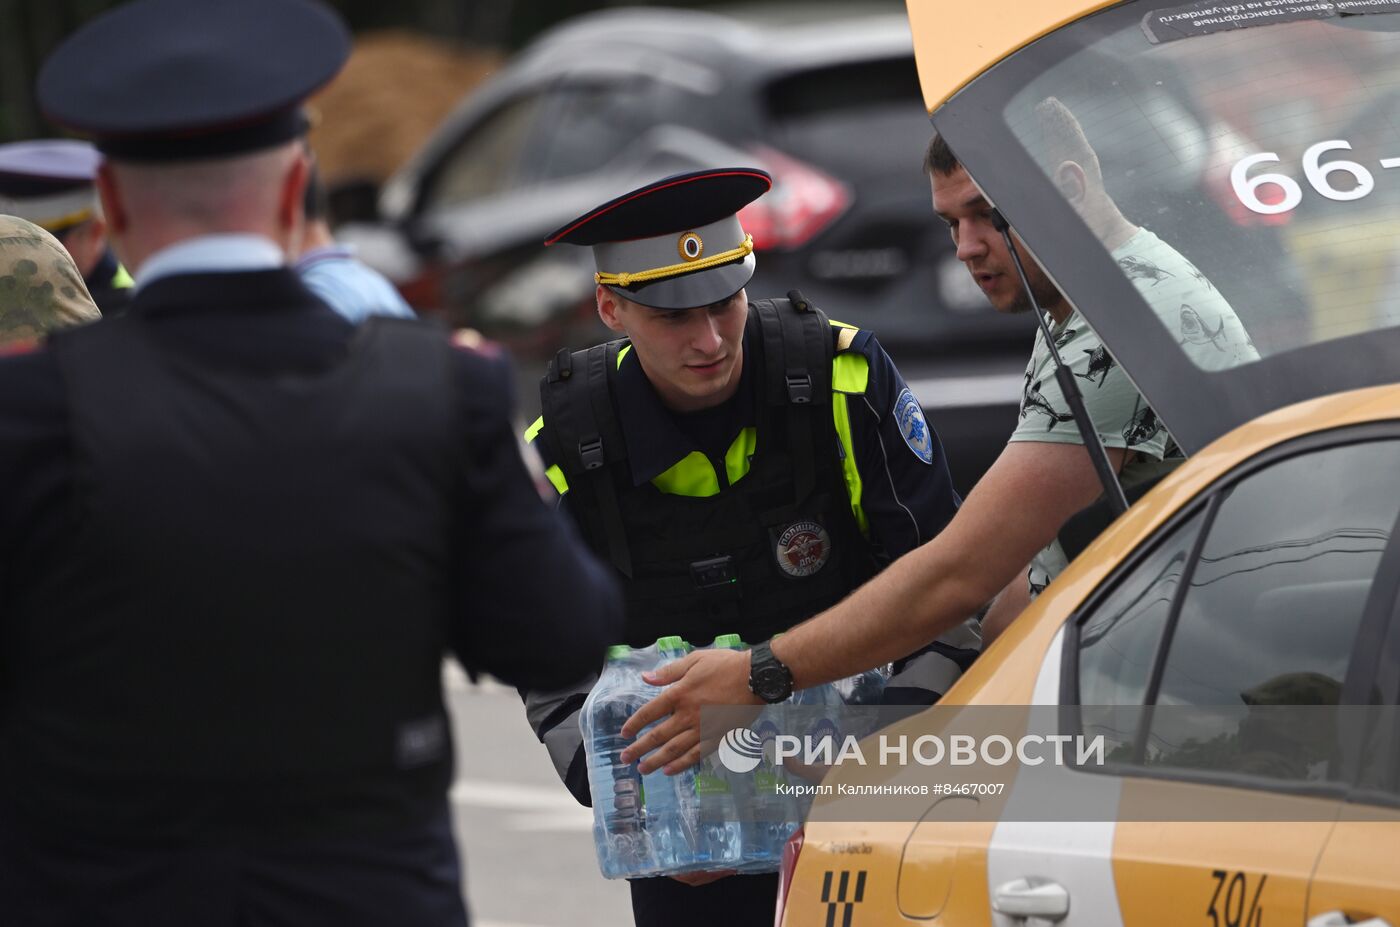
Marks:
<point>1261,138</point>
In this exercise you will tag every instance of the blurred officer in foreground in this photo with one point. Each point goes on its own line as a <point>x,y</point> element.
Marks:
<point>40,287</point>
<point>239,537</point>
<point>52,183</point>
<point>331,270</point>
<point>742,465</point>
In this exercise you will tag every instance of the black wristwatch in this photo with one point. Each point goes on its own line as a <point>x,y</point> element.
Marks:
<point>769,678</point>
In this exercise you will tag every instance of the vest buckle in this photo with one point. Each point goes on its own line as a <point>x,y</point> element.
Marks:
<point>799,387</point>
<point>590,451</point>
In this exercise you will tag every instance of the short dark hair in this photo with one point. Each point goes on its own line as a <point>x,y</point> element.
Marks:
<point>939,158</point>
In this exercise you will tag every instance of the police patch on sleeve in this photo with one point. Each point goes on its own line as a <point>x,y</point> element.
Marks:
<point>909,416</point>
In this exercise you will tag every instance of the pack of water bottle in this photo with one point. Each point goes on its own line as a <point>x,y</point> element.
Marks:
<point>653,824</point>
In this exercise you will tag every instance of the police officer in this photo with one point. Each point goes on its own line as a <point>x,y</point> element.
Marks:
<point>742,465</point>
<point>239,535</point>
<point>51,182</point>
<point>331,270</point>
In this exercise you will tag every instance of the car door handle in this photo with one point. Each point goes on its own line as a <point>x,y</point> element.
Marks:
<point>1031,898</point>
<point>1339,919</point>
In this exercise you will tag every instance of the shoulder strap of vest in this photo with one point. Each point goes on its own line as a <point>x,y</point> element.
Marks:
<point>583,435</point>
<point>797,350</point>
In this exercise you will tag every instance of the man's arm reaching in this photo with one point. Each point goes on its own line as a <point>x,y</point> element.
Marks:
<point>1010,515</point>
<point>1010,602</point>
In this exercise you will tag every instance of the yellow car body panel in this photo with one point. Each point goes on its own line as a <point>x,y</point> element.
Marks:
<point>1160,867</point>
<point>1005,675</point>
<point>955,42</point>
<point>934,875</point>
<point>874,848</point>
<point>1358,873</point>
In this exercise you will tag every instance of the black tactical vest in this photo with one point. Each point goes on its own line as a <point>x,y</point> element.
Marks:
<point>773,549</point>
<point>253,603</point>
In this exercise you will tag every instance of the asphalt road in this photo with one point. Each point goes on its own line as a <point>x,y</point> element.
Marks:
<point>527,846</point>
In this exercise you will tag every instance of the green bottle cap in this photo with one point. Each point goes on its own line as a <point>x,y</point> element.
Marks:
<point>619,652</point>
<point>730,641</point>
<point>671,643</point>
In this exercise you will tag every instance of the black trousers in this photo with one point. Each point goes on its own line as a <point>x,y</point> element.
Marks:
<point>738,901</point>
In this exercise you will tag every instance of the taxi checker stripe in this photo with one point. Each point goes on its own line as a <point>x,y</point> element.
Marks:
<point>841,900</point>
<point>842,887</point>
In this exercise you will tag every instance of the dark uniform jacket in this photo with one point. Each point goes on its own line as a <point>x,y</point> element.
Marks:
<point>237,537</point>
<point>898,498</point>
<point>110,285</point>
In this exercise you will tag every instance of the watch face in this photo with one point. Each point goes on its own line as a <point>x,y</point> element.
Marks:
<point>770,682</point>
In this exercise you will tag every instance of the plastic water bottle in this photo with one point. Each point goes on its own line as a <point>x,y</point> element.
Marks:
<point>818,714</point>
<point>772,816</point>
<point>619,818</point>
<point>864,688</point>
<point>824,696</point>
<point>670,800</point>
<point>821,715</point>
<point>719,790</point>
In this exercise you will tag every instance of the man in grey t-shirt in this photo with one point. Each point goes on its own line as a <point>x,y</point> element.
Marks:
<point>1183,298</point>
<point>1188,304</point>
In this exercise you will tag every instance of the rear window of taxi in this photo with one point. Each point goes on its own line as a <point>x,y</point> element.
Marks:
<point>1263,150</point>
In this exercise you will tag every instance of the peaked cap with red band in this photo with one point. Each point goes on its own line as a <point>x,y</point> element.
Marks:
<point>159,80</point>
<point>676,243</point>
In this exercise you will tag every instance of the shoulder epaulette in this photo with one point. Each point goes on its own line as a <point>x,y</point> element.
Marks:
<point>845,336</point>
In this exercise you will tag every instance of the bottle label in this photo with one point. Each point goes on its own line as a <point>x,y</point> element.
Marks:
<point>765,781</point>
<point>708,782</point>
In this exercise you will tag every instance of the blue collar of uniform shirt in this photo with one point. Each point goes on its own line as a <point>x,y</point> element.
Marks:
<point>332,252</point>
<point>655,441</point>
<point>212,254</point>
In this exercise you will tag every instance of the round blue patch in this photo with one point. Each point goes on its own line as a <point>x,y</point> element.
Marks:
<point>909,416</point>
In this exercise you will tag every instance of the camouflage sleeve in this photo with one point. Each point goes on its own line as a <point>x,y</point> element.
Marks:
<point>40,287</point>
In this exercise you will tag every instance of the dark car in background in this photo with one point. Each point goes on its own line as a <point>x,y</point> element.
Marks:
<point>606,102</point>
